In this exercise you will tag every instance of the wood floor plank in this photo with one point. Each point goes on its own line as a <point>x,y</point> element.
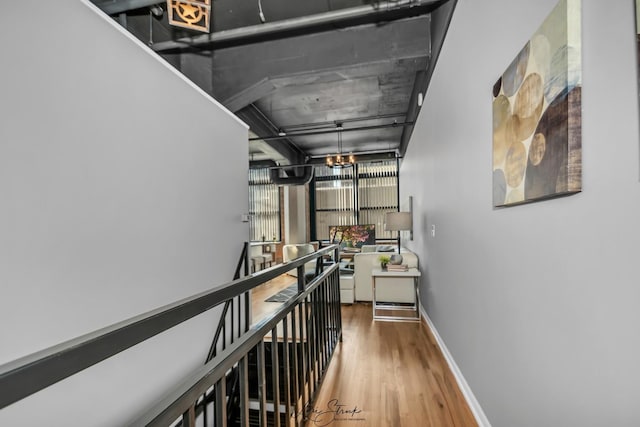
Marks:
<point>261,308</point>
<point>388,374</point>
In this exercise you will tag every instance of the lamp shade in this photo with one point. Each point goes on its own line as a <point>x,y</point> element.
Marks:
<point>397,221</point>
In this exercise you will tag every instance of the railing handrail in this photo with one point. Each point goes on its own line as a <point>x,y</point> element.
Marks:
<point>29,374</point>
<point>166,410</point>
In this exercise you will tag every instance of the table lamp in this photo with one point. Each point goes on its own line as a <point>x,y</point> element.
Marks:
<point>398,221</point>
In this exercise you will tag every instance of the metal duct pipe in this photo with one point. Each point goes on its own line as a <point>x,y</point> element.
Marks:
<point>262,164</point>
<point>293,176</point>
<point>376,12</point>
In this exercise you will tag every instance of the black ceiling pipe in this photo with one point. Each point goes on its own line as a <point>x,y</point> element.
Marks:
<point>366,14</point>
<point>360,157</point>
<point>112,7</point>
<point>331,130</point>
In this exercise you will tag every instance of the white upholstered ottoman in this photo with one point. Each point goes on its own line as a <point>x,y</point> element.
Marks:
<point>346,289</point>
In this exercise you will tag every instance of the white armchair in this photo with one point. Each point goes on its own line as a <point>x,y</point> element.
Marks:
<point>291,252</point>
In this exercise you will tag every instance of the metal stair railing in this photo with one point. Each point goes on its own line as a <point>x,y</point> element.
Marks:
<point>229,305</point>
<point>308,325</point>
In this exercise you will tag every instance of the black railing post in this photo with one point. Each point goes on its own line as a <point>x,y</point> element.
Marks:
<point>243,371</point>
<point>287,368</point>
<point>220,406</point>
<point>296,370</point>
<point>301,279</point>
<point>275,376</point>
<point>262,383</point>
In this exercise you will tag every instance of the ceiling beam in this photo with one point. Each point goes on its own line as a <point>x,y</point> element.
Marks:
<point>353,52</point>
<point>112,7</point>
<point>249,95</point>
<point>419,88</point>
<point>372,13</point>
<point>260,125</point>
<point>440,20</point>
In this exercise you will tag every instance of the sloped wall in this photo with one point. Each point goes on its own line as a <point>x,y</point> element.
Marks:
<point>538,303</point>
<point>122,187</point>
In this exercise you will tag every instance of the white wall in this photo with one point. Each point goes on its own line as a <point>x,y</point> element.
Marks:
<point>539,304</point>
<point>295,214</point>
<point>121,190</point>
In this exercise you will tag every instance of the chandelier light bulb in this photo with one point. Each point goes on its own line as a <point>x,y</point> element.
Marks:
<point>338,160</point>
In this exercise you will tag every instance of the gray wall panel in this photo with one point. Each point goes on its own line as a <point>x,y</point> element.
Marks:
<point>538,304</point>
<point>121,190</point>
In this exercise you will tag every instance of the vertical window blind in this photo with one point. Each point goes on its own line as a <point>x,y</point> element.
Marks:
<point>334,199</point>
<point>264,206</point>
<point>377,194</point>
<point>358,195</point>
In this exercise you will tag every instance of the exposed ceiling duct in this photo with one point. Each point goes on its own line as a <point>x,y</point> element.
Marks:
<point>296,175</point>
<point>292,70</point>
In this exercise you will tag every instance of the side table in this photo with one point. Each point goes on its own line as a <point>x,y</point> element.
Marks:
<point>399,291</point>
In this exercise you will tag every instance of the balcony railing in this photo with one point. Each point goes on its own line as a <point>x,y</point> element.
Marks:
<point>265,374</point>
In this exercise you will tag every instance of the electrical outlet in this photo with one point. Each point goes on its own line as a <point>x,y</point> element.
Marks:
<point>433,230</point>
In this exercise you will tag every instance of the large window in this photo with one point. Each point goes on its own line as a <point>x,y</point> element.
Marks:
<point>334,199</point>
<point>377,194</point>
<point>357,195</point>
<point>264,206</point>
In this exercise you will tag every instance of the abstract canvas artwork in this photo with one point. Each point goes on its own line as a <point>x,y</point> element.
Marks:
<point>537,143</point>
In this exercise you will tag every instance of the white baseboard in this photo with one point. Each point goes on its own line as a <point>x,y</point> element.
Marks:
<point>477,411</point>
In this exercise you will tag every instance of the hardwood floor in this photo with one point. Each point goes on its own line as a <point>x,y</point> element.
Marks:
<point>261,308</point>
<point>382,374</point>
<point>388,374</point>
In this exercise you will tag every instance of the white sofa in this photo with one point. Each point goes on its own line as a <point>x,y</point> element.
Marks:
<point>294,251</point>
<point>364,263</point>
<point>379,248</point>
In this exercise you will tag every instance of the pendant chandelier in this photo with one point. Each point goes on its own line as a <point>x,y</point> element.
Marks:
<point>340,160</point>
